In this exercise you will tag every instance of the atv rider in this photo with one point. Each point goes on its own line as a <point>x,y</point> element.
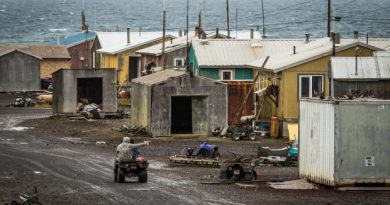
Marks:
<point>125,151</point>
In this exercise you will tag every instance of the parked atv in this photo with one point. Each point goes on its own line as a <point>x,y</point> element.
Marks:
<point>239,169</point>
<point>132,168</point>
<point>240,132</point>
<point>203,150</point>
<point>284,156</point>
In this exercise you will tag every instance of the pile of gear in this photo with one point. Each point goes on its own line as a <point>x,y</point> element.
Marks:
<point>358,94</point>
<point>89,110</point>
<point>132,131</point>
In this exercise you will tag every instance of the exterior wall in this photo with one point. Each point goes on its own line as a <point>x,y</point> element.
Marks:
<point>333,149</point>
<point>238,73</point>
<point>141,105</point>
<point>316,141</point>
<point>380,89</point>
<point>237,91</point>
<point>78,51</point>
<point>19,72</point>
<point>288,101</point>
<point>203,119</point>
<point>49,66</point>
<point>65,89</point>
<point>170,56</point>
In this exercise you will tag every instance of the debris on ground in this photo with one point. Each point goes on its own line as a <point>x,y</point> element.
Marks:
<point>132,131</point>
<point>100,143</point>
<point>21,101</point>
<point>299,184</point>
<point>246,186</point>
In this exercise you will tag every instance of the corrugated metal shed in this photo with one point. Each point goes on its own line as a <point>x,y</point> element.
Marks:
<point>337,151</point>
<point>368,68</point>
<point>43,51</point>
<point>159,77</point>
<point>115,42</point>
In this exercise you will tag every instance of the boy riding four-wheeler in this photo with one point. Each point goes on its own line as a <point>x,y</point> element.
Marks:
<point>129,163</point>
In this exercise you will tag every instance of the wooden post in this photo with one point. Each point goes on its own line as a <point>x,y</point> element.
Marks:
<point>227,18</point>
<point>163,41</point>
<point>329,17</point>
<point>262,13</point>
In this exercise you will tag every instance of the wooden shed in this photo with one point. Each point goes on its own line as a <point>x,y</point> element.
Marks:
<point>173,102</point>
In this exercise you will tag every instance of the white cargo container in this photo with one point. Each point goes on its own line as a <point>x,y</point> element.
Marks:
<point>343,143</point>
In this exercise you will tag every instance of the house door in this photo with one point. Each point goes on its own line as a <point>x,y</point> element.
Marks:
<point>133,68</point>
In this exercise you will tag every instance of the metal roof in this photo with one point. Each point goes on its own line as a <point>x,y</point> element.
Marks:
<point>158,77</point>
<point>116,42</point>
<point>306,53</point>
<point>77,38</point>
<point>5,52</point>
<point>382,53</point>
<point>42,51</point>
<point>224,52</point>
<point>377,67</point>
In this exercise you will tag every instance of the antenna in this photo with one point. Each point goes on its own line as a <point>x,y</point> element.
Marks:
<point>262,13</point>
<point>227,18</point>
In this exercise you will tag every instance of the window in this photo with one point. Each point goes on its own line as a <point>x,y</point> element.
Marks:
<point>226,75</point>
<point>179,62</point>
<point>311,86</point>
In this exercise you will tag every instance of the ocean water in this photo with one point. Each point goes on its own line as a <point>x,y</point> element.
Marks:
<point>41,21</point>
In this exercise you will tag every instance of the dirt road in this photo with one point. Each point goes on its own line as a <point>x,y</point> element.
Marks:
<point>64,162</point>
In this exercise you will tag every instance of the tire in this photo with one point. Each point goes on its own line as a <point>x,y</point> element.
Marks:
<point>252,136</point>
<point>121,176</point>
<point>143,176</point>
<point>115,175</point>
<point>236,136</point>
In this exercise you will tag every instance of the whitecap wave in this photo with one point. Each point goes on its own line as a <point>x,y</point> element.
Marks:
<point>58,29</point>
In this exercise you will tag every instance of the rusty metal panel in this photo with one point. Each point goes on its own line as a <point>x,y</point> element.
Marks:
<point>237,90</point>
<point>316,141</point>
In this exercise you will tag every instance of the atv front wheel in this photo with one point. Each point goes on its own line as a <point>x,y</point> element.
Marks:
<point>252,136</point>
<point>143,176</point>
<point>236,136</point>
<point>121,176</point>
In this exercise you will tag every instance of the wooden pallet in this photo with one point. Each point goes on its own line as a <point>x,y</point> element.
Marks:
<point>182,160</point>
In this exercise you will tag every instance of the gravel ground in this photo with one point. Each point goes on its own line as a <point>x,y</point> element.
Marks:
<point>61,158</point>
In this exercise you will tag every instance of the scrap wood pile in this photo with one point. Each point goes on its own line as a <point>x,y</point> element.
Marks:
<point>132,131</point>
<point>357,94</point>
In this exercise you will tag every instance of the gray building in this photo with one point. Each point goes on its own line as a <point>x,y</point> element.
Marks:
<point>19,71</point>
<point>362,75</point>
<point>96,85</point>
<point>172,102</point>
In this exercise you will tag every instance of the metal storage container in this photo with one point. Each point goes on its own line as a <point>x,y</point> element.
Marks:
<point>344,143</point>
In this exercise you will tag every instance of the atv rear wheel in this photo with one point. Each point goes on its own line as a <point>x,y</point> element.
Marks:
<point>143,176</point>
<point>252,136</point>
<point>121,176</point>
<point>116,175</point>
<point>236,136</point>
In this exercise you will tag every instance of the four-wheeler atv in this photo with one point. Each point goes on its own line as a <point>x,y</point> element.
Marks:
<point>239,169</point>
<point>132,168</point>
<point>203,150</point>
<point>240,132</point>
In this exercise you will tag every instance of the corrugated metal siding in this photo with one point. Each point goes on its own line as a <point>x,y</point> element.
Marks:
<point>211,73</point>
<point>316,141</point>
<point>243,74</point>
<point>236,95</point>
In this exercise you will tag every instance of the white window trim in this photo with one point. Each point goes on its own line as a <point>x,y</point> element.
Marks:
<point>310,84</point>
<point>230,71</point>
<point>179,58</point>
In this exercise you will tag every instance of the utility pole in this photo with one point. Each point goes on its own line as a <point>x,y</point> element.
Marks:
<point>262,13</point>
<point>163,41</point>
<point>227,18</point>
<point>329,17</point>
<point>204,15</point>
<point>188,45</point>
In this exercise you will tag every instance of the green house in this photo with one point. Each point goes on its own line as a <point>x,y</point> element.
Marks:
<point>223,59</point>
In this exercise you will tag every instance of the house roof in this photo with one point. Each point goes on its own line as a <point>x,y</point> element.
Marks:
<point>382,43</point>
<point>306,53</point>
<point>224,52</point>
<point>116,42</point>
<point>5,52</point>
<point>77,38</point>
<point>158,77</point>
<point>377,67</point>
<point>382,53</point>
<point>41,51</point>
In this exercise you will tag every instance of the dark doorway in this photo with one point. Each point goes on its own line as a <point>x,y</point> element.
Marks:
<point>90,89</point>
<point>181,115</point>
<point>133,68</point>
